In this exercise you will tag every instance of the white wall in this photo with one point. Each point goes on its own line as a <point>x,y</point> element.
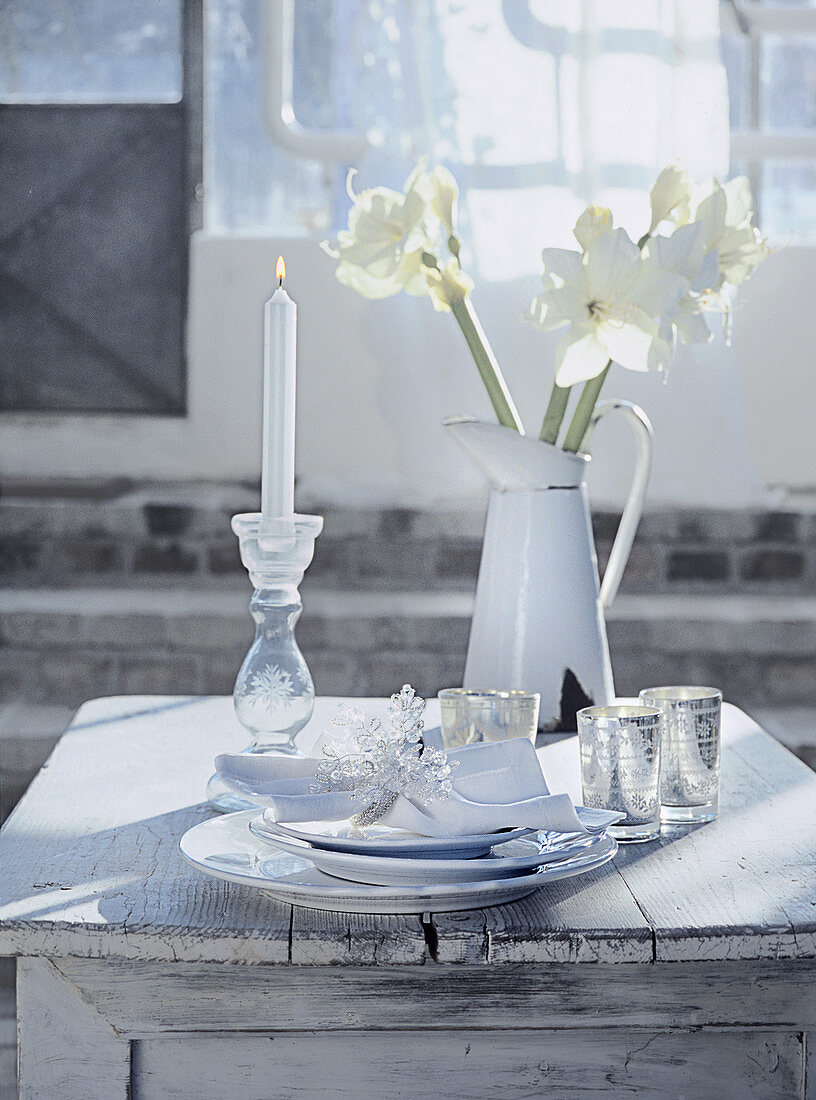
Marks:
<point>376,378</point>
<point>775,344</point>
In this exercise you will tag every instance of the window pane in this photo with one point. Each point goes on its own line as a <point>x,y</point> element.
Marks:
<point>788,93</point>
<point>315,96</point>
<point>789,201</point>
<point>93,51</point>
<point>250,183</point>
<point>369,68</point>
<point>509,95</point>
<point>736,58</point>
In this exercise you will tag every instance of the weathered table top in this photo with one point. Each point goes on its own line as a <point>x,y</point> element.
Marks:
<point>90,867</point>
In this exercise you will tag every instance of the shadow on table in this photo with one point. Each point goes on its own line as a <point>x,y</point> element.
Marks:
<point>54,871</point>
<point>630,853</point>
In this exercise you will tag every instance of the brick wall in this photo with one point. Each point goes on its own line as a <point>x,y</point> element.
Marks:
<point>181,537</point>
<point>130,589</point>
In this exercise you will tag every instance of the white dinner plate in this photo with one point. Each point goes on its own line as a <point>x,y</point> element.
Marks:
<point>514,857</point>
<point>224,848</point>
<point>382,840</point>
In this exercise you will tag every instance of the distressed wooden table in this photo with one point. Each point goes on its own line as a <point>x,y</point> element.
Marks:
<point>684,968</point>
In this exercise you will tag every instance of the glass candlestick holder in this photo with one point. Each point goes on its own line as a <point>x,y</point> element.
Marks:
<point>274,693</point>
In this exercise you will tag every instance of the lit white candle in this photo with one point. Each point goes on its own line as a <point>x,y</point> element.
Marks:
<point>278,466</point>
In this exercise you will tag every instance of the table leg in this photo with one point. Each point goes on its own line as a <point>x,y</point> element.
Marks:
<point>67,1050</point>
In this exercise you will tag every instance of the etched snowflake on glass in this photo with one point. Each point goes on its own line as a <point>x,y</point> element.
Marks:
<point>376,765</point>
<point>270,688</point>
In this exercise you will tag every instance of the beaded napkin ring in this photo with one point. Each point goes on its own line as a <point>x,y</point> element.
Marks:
<point>377,765</point>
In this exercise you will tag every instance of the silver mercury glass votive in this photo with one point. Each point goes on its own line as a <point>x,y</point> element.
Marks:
<point>620,766</point>
<point>690,768</point>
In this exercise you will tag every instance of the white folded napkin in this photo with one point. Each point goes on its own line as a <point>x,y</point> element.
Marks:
<point>495,786</point>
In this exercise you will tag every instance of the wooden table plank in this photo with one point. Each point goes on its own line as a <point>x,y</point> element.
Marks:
<point>66,1048</point>
<point>355,939</point>
<point>593,918</point>
<point>743,886</point>
<point>91,851</point>
<point>92,870</point>
<point>568,1063</point>
<point>148,998</point>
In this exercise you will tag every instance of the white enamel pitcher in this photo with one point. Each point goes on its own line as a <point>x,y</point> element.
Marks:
<point>538,621</point>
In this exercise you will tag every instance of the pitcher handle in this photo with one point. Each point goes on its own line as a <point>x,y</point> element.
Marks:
<point>630,517</point>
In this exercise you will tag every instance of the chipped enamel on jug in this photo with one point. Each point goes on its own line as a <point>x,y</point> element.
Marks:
<point>538,620</point>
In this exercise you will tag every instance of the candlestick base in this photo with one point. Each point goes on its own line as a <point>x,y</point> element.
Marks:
<point>274,693</point>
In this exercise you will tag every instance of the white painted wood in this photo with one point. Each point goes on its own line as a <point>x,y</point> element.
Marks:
<point>742,887</point>
<point>350,939</point>
<point>93,881</point>
<point>67,1051</point>
<point>8,1042</point>
<point>93,868</point>
<point>592,918</point>
<point>141,999</point>
<point>730,1065</point>
<point>91,851</point>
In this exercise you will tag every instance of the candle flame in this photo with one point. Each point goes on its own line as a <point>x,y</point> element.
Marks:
<point>280,270</point>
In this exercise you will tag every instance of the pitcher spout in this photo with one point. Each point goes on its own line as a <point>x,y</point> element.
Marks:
<point>512,461</point>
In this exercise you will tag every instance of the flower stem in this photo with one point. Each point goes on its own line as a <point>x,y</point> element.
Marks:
<point>486,364</point>
<point>554,415</point>
<point>583,411</point>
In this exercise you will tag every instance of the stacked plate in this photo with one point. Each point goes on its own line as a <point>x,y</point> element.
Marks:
<point>332,865</point>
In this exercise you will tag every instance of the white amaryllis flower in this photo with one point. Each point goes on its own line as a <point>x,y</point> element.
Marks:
<point>444,197</point>
<point>594,221</point>
<point>725,215</point>
<point>399,242</point>
<point>609,299</point>
<point>684,253</point>
<point>380,253</point>
<point>447,285</point>
<point>670,196</point>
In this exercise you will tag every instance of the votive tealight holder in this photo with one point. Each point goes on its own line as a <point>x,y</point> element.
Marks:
<point>690,767</point>
<point>620,766</point>
<point>471,717</point>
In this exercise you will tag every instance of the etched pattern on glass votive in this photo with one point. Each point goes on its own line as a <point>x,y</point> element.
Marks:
<point>620,766</point>
<point>690,769</point>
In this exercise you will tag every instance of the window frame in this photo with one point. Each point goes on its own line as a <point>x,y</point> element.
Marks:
<point>752,145</point>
